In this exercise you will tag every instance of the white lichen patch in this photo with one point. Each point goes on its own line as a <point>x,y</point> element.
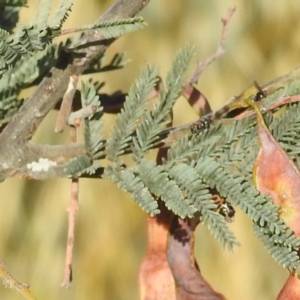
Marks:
<point>43,165</point>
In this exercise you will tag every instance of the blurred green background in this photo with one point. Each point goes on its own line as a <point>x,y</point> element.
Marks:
<point>110,241</point>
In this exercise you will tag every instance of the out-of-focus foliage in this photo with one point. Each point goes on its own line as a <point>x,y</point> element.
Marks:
<point>9,12</point>
<point>110,231</point>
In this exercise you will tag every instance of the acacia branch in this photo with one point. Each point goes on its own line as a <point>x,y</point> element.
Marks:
<point>14,138</point>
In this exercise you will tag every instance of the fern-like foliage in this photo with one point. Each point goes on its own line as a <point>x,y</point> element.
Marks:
<point>111,29</point>
<point>22,55</point>
<point>154,121</point>
<point>117,62</point>
<point>79,165</point>
<point>60,15</point>
<point>130,182</point>
<point>35,37</point>
<point>152,178</point>
<point>93,139</point>
<point>165,188</point>
<point>197,193</point>
<point>42,13</point>
<point>104,30</point>
<point>28,71</point>
<point>219,158</point>
<point>26,55</point>
<point>283,249</point>
<point>134,108</point>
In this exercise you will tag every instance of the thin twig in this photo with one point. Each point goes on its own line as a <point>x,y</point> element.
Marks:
<point>76,116</point>
<point>92,26</point>
<point>190,283</point>
<point>66,104</point>
<point>220,50</point>
<point>12,283</point>
<point>68,273</point>
<point>271,106</point>
<point>14,137</point>
<point>195,97</point>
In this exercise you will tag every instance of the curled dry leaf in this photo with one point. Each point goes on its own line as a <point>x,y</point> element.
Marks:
<point>291,289</point>
<point>155,277</point>
<point>190,284</point>
<point>196,99</point>
<point>276,175</point>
